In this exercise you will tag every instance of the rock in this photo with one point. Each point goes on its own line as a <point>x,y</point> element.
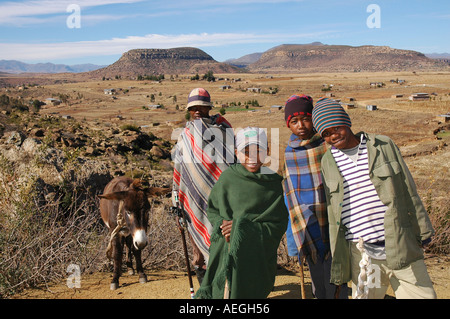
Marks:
<point>89,150</point>
<point>31,145</point>
<point>157,152</point>
<point>14,138</point>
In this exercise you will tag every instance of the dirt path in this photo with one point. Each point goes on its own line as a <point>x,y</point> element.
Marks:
<point>175,285</point>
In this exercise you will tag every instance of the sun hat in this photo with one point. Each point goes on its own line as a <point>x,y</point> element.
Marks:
<point>199,97</point>
<point>329,113</point>
<point>297,104</point>
<point>251,135</point>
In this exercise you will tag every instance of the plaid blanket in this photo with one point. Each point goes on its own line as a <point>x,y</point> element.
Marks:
<point>305,196</point>
<point>204,150</point>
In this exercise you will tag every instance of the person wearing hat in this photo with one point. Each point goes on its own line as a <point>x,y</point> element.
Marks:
<point>307,234</point>
<point>204,149</point>
<point>248,215</point>
<point>378,224</point>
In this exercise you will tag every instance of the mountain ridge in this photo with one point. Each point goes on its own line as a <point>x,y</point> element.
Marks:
<point>17,67</point>
<point>318,57</point>
<point>309,57</point>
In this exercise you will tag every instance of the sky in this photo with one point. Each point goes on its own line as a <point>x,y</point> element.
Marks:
<point>100,31</point>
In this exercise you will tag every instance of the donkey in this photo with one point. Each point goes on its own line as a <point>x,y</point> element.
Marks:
<point>124,208</point>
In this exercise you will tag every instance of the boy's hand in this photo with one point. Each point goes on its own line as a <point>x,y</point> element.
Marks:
<point>226,229</point>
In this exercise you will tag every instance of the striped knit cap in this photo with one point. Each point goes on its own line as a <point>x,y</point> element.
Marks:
<point>199,97</point>
<point>329,113</point>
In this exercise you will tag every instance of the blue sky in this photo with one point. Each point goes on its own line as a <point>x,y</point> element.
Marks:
<point>38,31</point>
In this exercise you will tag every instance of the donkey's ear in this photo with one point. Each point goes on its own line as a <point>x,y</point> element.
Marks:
<point>115,196</point>
<point>157,191</point>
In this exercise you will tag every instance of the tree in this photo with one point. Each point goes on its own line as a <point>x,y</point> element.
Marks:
<point>209,76</point>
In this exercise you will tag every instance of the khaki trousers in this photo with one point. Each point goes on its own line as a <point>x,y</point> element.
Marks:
<point>411,282</point>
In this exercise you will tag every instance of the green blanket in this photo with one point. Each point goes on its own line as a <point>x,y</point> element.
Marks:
<point>248,263</point>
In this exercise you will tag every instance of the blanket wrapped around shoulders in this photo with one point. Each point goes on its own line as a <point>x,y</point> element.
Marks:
<point>248,263</point>
<point>305,197</point>
<point>204,150</point>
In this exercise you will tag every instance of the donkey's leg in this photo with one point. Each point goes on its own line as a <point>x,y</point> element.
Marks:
<point>117,255</point>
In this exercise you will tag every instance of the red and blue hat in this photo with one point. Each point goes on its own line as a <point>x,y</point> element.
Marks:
<point>199,97</point>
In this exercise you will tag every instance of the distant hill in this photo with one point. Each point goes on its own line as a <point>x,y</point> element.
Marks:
<point>245,60</point>
<point>164,61</point>
<point>438,55</point>
<point>318,57</point>
<point>15,67</point>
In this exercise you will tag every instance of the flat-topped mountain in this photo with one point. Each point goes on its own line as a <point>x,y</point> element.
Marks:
<point>318,57</point>
<point>165,61</point>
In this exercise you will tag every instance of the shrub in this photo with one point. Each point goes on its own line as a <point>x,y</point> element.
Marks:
<point>130,127</point>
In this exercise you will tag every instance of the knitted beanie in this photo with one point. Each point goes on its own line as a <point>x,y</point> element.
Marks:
<point>199,97</point>
<point>329,113</point>
<point>297,104</point>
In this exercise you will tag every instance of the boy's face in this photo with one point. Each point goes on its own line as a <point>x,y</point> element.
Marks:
<point>302,126</point>
<point>251,157</point>
<point>199,111</point>
<point>340,137</point>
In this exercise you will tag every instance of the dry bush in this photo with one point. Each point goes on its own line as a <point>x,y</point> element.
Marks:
<point>44,228</point>
<point>50,219</point>
<point>165,249</point>
<point>440,219</point>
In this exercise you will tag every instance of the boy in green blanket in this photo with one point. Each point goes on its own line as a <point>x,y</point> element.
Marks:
<point>247,211</point>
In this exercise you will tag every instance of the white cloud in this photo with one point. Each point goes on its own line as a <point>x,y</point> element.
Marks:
<point>27,12</point>
<point>66,50</point>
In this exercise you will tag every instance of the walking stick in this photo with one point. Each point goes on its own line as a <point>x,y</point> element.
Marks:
<point>337,292</point>
<point>181,226</point>
<point>302,280</point>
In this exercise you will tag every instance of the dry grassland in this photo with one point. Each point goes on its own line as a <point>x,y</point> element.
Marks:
<point>410,124</point>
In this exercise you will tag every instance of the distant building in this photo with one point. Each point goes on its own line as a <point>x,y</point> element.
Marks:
<point>348,106</point>
<point>444,118</point>
<point>254,90</point>
<point>109,91</point>
<point>396,96</point>
<point>52,101</point>
<point>371,107</point>
<point>419,97</point>
<point>225,87</point>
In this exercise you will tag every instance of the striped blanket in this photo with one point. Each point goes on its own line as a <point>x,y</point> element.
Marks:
<point>204,150</point>
<point>305,197</point>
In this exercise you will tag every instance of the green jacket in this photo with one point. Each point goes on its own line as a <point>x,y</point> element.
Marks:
<point>406,221</point>
<point>254,202</point>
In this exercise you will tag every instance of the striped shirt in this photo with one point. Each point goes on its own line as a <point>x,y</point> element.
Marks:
<point>362,210</point>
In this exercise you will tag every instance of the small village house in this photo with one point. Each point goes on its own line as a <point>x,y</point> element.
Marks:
<point>52,101</point>
<point>109,91</point>
<point>254,90</point>
<point>419,97</point>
